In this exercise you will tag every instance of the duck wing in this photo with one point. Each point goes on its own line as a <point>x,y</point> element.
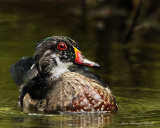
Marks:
<point>86,72</point>
<point>19,69</point>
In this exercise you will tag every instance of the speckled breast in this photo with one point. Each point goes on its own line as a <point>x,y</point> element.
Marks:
<point>76,93</point>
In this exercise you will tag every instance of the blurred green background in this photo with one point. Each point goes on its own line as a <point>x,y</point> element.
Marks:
<point>131,67</point>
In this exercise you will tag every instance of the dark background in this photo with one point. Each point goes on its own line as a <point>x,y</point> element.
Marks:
<point>123,36</point>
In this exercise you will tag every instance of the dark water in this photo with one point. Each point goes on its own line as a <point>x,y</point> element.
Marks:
<point>132,71</point>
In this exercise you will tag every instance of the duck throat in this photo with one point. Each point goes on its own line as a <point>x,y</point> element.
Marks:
<point>60,68</point>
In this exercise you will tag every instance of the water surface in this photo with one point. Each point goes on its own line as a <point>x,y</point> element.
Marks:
<point>131,71</point>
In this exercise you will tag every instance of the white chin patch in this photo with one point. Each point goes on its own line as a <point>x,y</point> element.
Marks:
<point>60,68</point>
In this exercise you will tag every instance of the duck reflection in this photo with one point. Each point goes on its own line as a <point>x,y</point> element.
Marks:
<point>89,120</point>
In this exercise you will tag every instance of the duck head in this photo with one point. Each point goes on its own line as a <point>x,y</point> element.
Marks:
<point>54,55</point>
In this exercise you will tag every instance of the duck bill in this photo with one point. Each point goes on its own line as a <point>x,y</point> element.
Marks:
<point>80,59</point>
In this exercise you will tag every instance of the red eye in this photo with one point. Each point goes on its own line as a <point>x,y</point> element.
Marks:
<point>62,46</point>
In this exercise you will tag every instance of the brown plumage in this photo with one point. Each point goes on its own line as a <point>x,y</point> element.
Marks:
<point>56,80</point>
<point>73,92</point>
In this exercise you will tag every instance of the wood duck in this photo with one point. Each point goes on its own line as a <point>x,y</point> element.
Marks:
<point>56,79</point>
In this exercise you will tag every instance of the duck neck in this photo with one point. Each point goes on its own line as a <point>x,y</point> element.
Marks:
<point>60,68</point>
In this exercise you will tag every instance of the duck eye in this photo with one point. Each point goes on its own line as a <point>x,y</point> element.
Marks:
<point>62,46</point>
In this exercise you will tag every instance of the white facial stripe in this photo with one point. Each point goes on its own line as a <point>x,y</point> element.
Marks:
<point>32,66</point>
<point>60,68</point>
